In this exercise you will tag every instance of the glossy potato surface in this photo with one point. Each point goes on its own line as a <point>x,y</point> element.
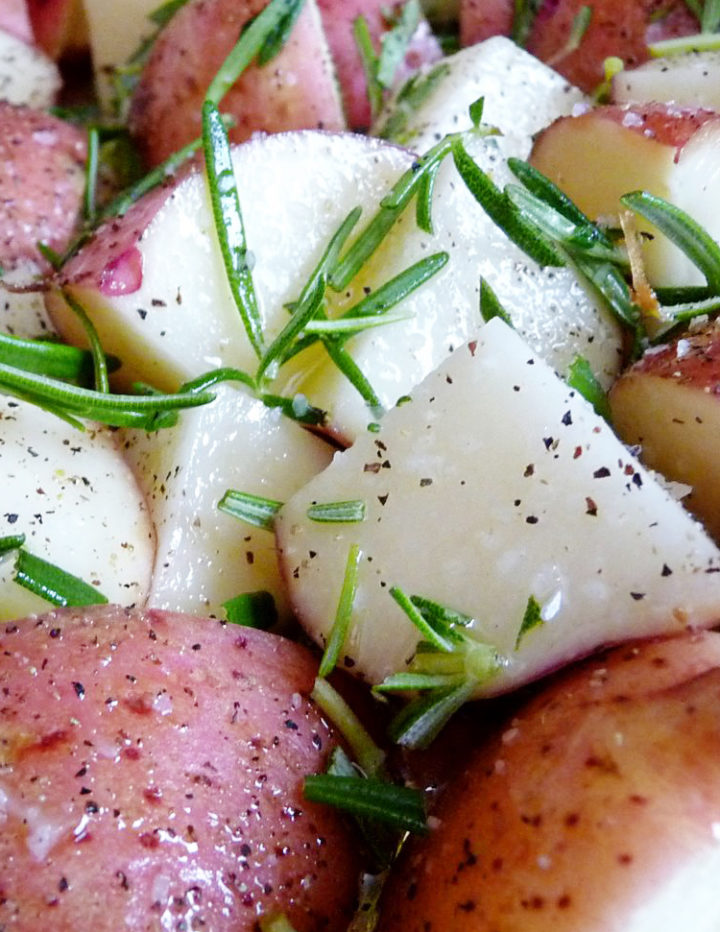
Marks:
<point>595,809</point>
<point>151,767</point>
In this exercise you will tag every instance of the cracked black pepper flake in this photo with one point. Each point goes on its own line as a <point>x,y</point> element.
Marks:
<point>79,690</point>
<point>590,506</point>
<point>532,519</point>
<point>601,473</point>
<point>638,596</point>
<point>425,482</point>
<point>666,571</point>
<point>567,419</point>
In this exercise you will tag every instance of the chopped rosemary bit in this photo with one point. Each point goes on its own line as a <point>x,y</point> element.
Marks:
<point>252,610</point>
<point>262,38</point>
<point>370,758</point>
<point>229,223</point>
<point>337,512</point>
<point>399,806</point>
<point>682,45</point>
<point>580,24</point>
<point>91,174</point>
<point>412,94</point>
<point>343,615</point>
<point>45,357</point>
<point>490,305</point>
<point>531,619</point>
<point>51,583</point>
<point>421,721</point>
<point>252,509</point>
<point>369,60</point>
<point>394,43</point>
<point>524,15</point>
<point>102,383</point>
<point>583,380</point>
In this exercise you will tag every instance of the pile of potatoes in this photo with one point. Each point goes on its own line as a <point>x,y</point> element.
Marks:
<point>152,755</point>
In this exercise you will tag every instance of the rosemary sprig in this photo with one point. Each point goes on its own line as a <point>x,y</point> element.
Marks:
<point>252,509</point>
<point>50,582</point>
<point>343,615</point>
<point>399,806</point>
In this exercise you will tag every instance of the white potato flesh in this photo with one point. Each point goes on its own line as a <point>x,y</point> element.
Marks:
<point>22,306</point>
<point>178,319</point>
<point>206,557</point>
<point>496,482</point>
<point>692,79</point>
<point>77,503</point>
<point>27,76</point>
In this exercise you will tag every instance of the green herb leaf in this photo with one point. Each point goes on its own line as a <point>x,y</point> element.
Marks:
<point>252,509</point>
<point>680,229</point>
<point>395,43</point>
<point>531,619</point>
<point>370,758</point>
<point>343,615</point>
<point>524,16</point>
<point>338,512</point>
<point>262,38</point>
<point>370,62</point>
<point>490,305</point>
<point>229,223</point>
<point>54,584</point>
<point>252,610</point>
<point>583,380</point>
<point>399,806</point>
<point>422,720</point>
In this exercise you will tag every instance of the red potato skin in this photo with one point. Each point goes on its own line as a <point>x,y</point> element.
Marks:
<point>621,28</point>
<point>482,19</point>
<point>584,806</point>
<point>14,18</point>
<point>151,767</point>
<point>293,91</point>
<point>57,25</point>
<point>338,17</point>
<point>41,183</point>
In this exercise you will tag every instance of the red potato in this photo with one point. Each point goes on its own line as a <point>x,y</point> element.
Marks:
<point>481,19</point>
<point>338,18</point>
<point>595,808</point>
<point>41,184</point>
<point>58,26</point>
<point>14,18</point>
<point>617,28</point>
<point>671,151</point>
<point>668,404</point>
<point>295,90</point>
<point>152,766</point>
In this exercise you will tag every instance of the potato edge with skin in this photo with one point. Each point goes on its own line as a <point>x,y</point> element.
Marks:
<point>614,549</point>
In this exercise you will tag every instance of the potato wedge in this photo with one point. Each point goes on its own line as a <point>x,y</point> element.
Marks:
<point>496,483</point>
<point>27,76</point>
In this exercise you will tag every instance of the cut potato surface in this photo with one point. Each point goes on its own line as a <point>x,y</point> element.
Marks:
<point>152,778</point>
<point>594,809</point>
<point>493,484</point>
<point>205,557</point>
<point>690,80</point>
<point>27,76</point>
<point>77,503</point>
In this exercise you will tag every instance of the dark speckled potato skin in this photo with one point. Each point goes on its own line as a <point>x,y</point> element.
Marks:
<point>595,809</point>
<point>151,769</point>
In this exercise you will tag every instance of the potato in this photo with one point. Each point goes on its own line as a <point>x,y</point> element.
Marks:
<point>667,403</point>
<point>690,80</point>
<point>295,90</point>
<point>481,19</point>
<point>205,557</point>
<point>77,503</point>
<point>338,20</point>
<point>41,184</point>
<point>59,26</point>
<point>152,778</point>
<point>493,483</point>
<point>621,28</point>
<point>594,809</point>
<point>27,76</point>
<point>668,150</point>
<point>14,18</point>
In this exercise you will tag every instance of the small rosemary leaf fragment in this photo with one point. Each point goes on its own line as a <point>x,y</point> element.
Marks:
<point>583,380</point>
<point>370,62</point>
<point>399,806</point>
<point>338,512</point>
<point>102,383</point>
<point>343,614</point>
<point>419,723</point>
<point>395,42</point>
<point>11,542</point>
<point>45,357</point>
<point>252,509</point>
<point>490,305</point>
<point>252,610</point>
<point>532,618</point>
<point>370,757</point>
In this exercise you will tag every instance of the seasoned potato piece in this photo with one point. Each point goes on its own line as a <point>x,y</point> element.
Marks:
<point>152,778</point>
<point>41,183</point>
<point>595,808</point>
